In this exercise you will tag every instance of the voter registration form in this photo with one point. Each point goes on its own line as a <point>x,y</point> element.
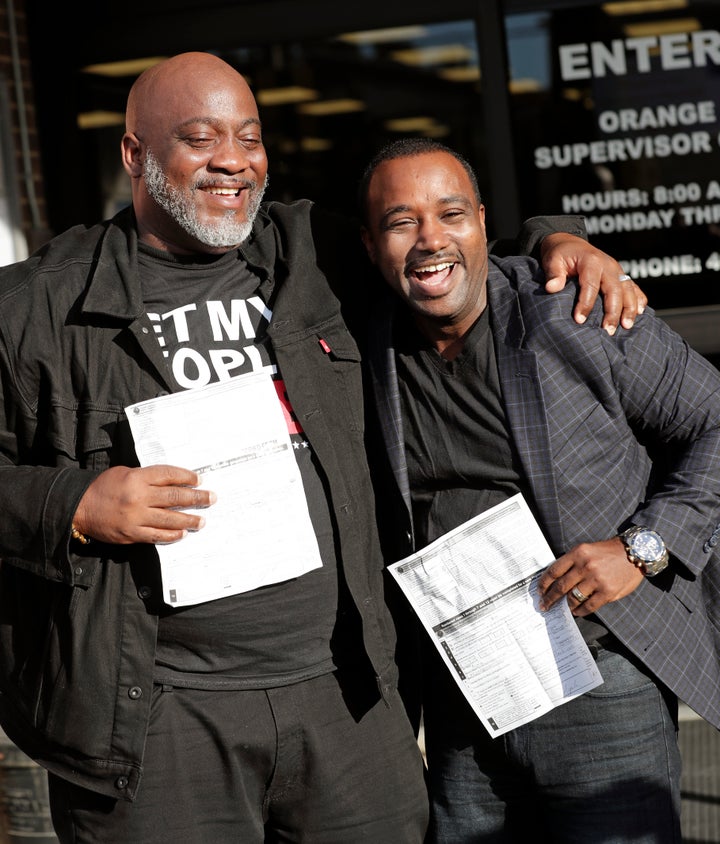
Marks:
<point>234,435</point>
<point>475,592</point>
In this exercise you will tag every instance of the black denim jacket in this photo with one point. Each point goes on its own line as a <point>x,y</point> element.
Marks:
<point>77,638</point>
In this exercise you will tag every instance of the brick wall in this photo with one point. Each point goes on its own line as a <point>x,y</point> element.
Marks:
<point>15,75</point>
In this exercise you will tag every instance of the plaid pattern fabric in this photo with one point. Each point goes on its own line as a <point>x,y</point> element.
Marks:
<point>610,431</point>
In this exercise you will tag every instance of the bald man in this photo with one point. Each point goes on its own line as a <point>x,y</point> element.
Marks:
<point>267,715</point>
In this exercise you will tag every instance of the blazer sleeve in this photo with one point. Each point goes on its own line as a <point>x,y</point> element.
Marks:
<point>671,397</point>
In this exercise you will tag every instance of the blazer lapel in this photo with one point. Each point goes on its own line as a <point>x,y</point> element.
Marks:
<point>383,372</point>
<point>525,408</point>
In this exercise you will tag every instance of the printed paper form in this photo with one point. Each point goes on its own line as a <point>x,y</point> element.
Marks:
<point>232,433</point>
<point>475,592</point>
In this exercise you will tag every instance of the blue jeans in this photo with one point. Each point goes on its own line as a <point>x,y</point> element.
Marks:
<point>601,769</point>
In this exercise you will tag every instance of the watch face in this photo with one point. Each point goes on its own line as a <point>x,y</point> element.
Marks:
<point>647,546</point>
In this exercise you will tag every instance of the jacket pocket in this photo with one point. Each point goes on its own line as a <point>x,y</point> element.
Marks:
<point>344,377</point>
<point>82,435</point>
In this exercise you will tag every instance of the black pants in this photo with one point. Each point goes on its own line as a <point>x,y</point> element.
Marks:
<point>310,762</point>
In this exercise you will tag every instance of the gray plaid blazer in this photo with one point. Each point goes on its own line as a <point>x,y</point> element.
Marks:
<point>611,431</point>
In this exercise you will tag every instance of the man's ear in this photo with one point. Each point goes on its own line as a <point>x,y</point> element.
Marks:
<point>132,156</point>
<point>368,243</point>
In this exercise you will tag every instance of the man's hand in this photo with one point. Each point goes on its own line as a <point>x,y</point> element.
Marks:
<point>599,572</point>
<point>566,255</point>
<point>124,505</point>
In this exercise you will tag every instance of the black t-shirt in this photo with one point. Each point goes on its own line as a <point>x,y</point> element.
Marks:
<point>460,458</point>
<point>460,455</point>
<point>210,316</point>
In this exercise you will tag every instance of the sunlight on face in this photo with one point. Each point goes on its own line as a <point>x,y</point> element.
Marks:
<point>180,204</point>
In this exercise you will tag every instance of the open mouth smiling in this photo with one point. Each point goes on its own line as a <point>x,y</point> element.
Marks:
<point>229,191</point>
<point>432,269</point>
<point>431,275</point>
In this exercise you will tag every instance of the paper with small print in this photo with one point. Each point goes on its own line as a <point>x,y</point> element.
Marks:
<point>475,592</point>
<point>234,435</point>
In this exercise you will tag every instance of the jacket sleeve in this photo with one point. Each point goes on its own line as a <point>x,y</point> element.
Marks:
<point>671,397</point>
<point>532,232</point>
<point>37,501</point>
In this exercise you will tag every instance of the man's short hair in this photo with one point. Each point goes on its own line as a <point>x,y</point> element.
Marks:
<point>407,148</point>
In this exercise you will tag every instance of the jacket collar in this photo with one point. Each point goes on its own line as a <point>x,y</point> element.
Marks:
<point>114,285</point>
<point>114,288</point>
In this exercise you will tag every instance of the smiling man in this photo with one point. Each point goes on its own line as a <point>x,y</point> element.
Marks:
<point>486,388</point>
<point>434,254</point>
<point>207,192</point>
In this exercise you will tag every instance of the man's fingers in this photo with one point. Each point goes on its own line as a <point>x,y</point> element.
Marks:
<point>600,571</point>
<point>553,572</point>
<point>642,299</point>
<point>161,486</point>
<point>634,302</point>
<point>587,295</point>
<point>555,283</point>
<point>162,474</point>
<point>565,255</point>
<point>151,504</point>
<point>180,497</point>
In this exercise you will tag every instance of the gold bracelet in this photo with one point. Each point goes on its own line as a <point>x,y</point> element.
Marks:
<point>80,537</point>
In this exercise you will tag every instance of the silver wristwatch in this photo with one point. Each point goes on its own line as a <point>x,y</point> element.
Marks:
<point>646,550</point>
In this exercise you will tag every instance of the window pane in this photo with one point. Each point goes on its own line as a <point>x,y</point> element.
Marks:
<point>616,116</point>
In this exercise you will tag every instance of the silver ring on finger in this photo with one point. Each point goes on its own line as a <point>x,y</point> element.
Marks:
<point>578,595</point>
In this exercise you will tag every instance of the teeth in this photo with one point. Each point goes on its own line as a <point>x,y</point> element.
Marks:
<point>223,191</point>
<point>435,268</point>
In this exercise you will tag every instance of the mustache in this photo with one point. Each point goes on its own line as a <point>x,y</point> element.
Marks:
<point>232,184</point>
<point>436,258</point>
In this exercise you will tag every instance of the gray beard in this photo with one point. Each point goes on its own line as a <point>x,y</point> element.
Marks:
<point>179,204</point>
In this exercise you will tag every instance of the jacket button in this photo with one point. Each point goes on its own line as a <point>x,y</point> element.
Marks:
<point>145,592</point>
<point>78,571</point>
<point>122,782</point>
<point>135,693</point>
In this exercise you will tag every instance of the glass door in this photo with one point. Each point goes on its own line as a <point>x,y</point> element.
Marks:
<point>616,114</point>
